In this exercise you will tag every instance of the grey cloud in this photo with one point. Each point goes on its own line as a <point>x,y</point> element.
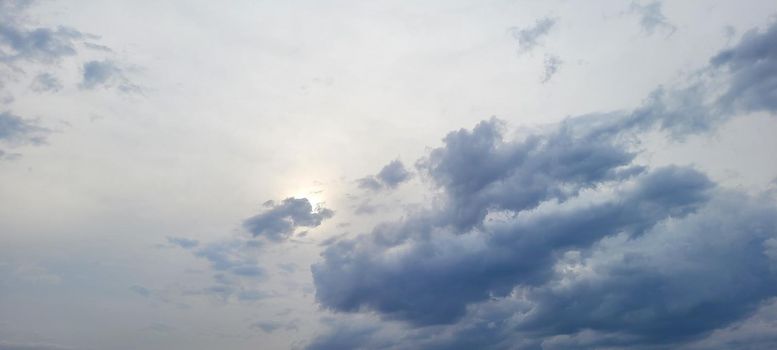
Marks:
<point>106,74</point>
<point>755,332</point>
<point>4,345</point>
<point>226,292</point>
<point>270,327</point>
<point>253,295</point>
<point>369,183</point>
<point>680,281</point>
<point>366,208</point>
<point>22,43</point>
<point>701,265</point>
<point>560,239</point>
<point>531,37</point>
<point>652,17</point>
<point>38,44</point>
<point>236,259</point>
<point>231,256</point>
<point>480,171</point>
<point>390,176</point>
<point>46,82</point>
<point>752,64</point>
<point>288,267</point>
<point>280,220</point>
<point>97,47</point>
<point>551,65</point>
<point>142,291</point>
<point>267,327</point>
<point>350,336</point>
<point>393,174</point>
<point>442,274</point>
<point>185,243</point>
<point>15,130</point>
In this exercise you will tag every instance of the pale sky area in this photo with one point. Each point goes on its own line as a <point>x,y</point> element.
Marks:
<point>330,175</point>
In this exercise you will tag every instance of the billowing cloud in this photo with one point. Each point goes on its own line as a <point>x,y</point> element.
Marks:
<point>561,240</point>
<point>280,220</point>
<point>390,176</point>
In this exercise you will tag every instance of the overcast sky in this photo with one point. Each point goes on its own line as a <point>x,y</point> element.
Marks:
<point>388,174</point>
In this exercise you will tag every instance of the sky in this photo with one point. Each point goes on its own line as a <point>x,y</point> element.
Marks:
<point>434,174</point>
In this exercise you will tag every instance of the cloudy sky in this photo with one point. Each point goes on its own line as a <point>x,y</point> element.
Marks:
<point>501,174</point>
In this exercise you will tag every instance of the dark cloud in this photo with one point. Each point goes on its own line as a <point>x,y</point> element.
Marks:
<point>480,171</point>
<point>106,74</point>
<point>652,18</point>
<point>681,281</point>
<point>531,37</point>
<point>443,273</point>
<point>560,239</point>
<point>755,332</point>
<point>752,65</point>
<point>279,221</point>
<point>390,176</point>
<point>393,174</point>
<point>350,336</point>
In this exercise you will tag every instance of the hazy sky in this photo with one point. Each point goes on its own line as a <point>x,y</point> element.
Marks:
<point>388,174</point>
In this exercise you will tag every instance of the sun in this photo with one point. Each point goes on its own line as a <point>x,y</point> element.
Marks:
<point>314,195</point>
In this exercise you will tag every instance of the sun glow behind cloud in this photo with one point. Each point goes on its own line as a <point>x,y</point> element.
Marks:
<point>314,195</point>
<point>190,185</point>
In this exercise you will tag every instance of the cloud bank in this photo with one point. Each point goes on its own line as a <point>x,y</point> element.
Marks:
<point>561,240</point>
